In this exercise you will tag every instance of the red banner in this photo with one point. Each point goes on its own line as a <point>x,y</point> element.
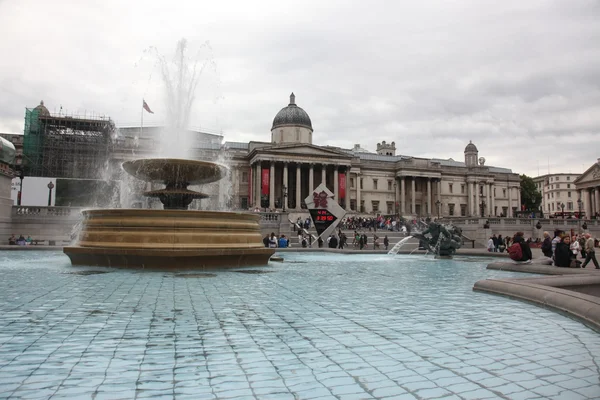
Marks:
<point>342,184</point>
<point>250,196</point>
<point>265,182</point>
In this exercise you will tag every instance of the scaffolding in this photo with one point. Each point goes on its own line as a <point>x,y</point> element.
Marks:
<point>61,146</point>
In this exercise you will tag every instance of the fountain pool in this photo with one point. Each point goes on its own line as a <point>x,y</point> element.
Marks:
<point>317,326</point>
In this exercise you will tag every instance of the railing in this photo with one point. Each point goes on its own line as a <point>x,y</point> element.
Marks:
<point>45,212</point>
<point>547,223</point>
<point>269,218</point>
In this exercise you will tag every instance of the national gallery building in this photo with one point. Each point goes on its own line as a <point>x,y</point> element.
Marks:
<point>274,175</point>
<point>281,173</point>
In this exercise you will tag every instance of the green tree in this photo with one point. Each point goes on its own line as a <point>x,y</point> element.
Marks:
<point>530,196</point>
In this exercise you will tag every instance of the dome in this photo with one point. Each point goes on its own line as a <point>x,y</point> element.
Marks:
<point>471,148</point>
<point>292,115</point>
<point>42,109</point>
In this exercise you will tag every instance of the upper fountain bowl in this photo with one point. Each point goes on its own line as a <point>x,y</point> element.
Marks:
<point>170,170</point>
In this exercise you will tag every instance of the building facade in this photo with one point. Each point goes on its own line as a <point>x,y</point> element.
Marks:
<point>588,188</point>
<point>559,193</point>
<point>281,173</point>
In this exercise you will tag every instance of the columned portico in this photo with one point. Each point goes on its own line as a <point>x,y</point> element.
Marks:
<point>413,197</point>
<point>510,202</point>
<point>298,187</point>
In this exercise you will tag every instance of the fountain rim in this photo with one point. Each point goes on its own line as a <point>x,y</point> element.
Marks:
<point>174,162</point>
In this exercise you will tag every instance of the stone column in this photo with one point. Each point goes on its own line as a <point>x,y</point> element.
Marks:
<point>477,209</point>
<point>518,197</point>
<point>597,199</point>
<point>298,187</point>
<point>587,203</point>
<point>258,181</point>
<point>470,199</point>
<point>413,207</point>
<point>336,184</point>
<point>348,189</point>
<point>429,197</point>
<point>509,213</point>
<point>403,195</point>
<point>396,195</point>
<point>311,178</point>
<point>286,186</point>
<point>235,195</point>
<point>272,186</point>
<point>357,192</point>
<point>324,174</point>
<point>493,200</point>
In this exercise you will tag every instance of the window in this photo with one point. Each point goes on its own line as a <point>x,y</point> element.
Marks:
<point>374,184</point>
<point>503,192</point>
<point>375,205</point>
<point>558,185</point>
<point>463,210</point>
<point>352,183</point>
<point>505,211</point>
<point>548,195</point>
<point>451,209</point>
<point>551,186</point>
<point>353,204</point>
<point>552,206</point>
<point>568,186</point>
<point>389,185</point>
<point>244,177</point>
<point>556,178</point>
<point>462,189</point>
<point>361,183</point>
<point>557,194</point>
<point>481,190</point>
<point>494,192</point>
<point>568,194</point>
<point>570,205</point>
<point>390,207</point>
<point>568,178</point>
<point>450,187</point>
<point>362,205</point>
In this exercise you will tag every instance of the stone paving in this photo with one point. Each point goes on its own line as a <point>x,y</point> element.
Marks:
<point>318,326</point>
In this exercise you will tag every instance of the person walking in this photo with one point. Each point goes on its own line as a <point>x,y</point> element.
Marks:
<point>386,242</point>
<point>590,253</point>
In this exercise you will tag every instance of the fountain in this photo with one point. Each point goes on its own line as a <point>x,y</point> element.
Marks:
<point>443,241</point>
<point>172,238</point>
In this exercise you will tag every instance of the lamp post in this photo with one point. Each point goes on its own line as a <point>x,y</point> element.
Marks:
<point>438,204</point>
<point>50,187</point>
<point>579,206</point>
<point>284,197</point>
<point>20,193</point>
<point>562,207</point>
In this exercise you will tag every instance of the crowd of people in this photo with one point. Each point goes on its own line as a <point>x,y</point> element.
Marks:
<point>19,241</point>
<point>569,250</point>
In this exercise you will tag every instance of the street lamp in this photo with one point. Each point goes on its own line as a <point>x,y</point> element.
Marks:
<point>50,187</point>
<point>438,204</point>
<point>562,207</point>
<point>20,193</point>
<point>284,197</point>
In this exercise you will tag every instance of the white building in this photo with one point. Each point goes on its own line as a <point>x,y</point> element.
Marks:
<point>558,193</point>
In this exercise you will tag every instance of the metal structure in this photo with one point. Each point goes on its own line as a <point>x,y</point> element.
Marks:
<point>61,146</point>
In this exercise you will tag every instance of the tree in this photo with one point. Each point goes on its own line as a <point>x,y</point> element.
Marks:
<point>531,198</point>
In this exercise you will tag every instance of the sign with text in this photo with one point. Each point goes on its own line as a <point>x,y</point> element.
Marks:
<point>324,210</point>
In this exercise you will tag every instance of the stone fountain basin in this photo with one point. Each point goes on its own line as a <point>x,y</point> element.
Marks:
<point>169,239</point>
<point>170,170</point>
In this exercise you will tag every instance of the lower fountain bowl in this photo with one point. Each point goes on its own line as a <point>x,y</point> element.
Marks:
<point>169,239</point>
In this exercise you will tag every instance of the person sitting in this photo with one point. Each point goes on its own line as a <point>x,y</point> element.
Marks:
<point>12,240</point>
<point>525,249</point>
<point>283,242</point>
<point>21,240</point>
<point>273,240</point>
<point>28,240</point>
<point>547,245</point>
<point>562,253</point>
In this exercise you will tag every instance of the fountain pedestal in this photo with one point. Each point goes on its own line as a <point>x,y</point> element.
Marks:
<point>173,238</point>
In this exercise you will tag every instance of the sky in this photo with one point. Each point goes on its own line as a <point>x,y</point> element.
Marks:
<point>521,79</point>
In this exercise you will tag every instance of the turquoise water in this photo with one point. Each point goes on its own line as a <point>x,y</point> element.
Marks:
<point>318,326</point>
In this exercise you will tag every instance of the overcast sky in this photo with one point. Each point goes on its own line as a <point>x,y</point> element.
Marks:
<point>521,79</point>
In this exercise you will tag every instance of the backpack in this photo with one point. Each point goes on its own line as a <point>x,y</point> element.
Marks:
<point>515,252</point>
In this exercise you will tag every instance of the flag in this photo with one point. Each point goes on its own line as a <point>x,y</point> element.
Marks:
<point>147,108</point>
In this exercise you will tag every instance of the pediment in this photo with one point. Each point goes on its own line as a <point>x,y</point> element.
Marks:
<point>592,175</point>
<point>305,150</point>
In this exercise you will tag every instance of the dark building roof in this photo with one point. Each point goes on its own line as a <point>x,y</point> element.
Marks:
<point>470,148</point>
<point>292,115</point>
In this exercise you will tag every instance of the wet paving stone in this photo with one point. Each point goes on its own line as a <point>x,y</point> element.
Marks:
<point>335,327</point>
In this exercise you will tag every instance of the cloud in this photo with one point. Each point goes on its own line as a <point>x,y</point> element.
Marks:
<point>520,79</point>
